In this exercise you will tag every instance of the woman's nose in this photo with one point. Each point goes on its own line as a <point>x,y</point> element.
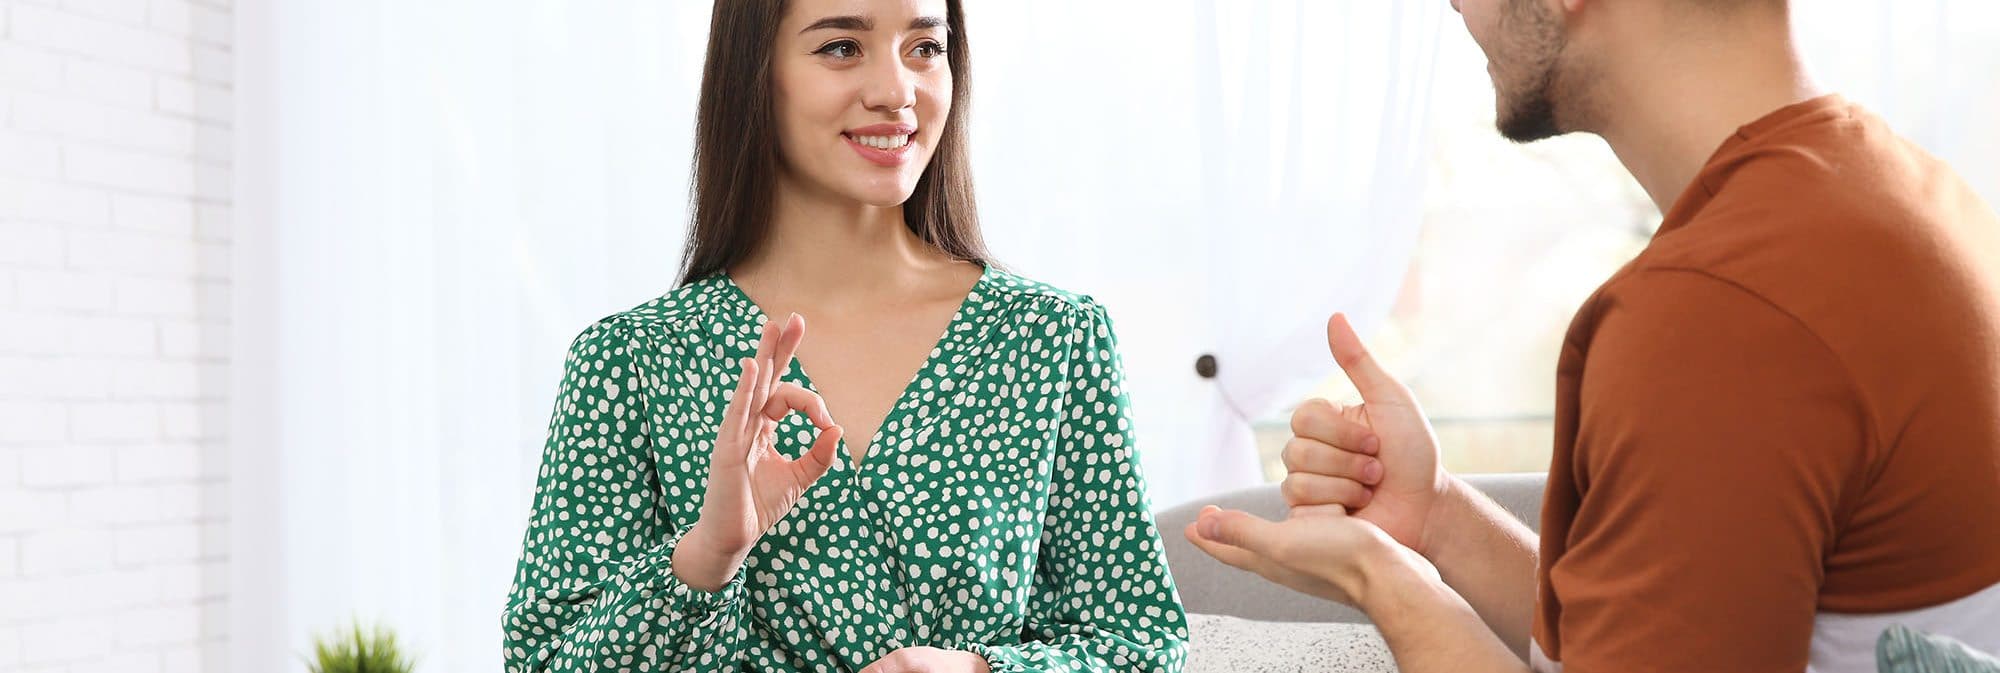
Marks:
<point>891,87</point>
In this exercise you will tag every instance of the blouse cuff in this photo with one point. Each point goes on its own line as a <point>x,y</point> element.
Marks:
<point>656,570</point>
<point>999,659</point>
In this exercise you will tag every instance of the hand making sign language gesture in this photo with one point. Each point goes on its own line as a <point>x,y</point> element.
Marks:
<point>751,485</point>
<point>1377,460</point>
<point>1360,479</point>
<point>1375,517</point>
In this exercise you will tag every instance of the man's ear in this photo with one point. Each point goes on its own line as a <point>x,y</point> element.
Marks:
<point>1570,11</point>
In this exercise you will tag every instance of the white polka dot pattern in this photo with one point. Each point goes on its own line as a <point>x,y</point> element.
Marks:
<point>1000,509</point>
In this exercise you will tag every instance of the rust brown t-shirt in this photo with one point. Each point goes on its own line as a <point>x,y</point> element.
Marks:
<point>1787,408</point>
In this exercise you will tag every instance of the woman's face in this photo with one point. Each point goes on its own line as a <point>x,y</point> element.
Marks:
<point>863,89</point>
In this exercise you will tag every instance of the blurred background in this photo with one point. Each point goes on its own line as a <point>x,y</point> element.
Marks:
<point>285,284</point>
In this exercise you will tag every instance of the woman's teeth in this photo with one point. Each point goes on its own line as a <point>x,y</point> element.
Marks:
<point>882,142</point>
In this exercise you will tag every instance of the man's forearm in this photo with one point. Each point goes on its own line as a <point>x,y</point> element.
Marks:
<point>1489,558</point>
<point>1431,629</point>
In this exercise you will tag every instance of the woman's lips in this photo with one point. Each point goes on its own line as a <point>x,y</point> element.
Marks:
<point>882,144</point>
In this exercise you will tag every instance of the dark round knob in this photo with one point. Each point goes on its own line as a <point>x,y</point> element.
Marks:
<point>1205,366</point>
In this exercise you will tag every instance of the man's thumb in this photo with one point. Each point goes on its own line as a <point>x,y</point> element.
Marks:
<point>1375,384</point>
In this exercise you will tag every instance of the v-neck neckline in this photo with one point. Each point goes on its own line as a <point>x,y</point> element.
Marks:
<point>896,410</point>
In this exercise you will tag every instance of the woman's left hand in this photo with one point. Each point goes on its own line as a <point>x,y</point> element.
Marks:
<point>928,660</point>
<point>1329,555</point>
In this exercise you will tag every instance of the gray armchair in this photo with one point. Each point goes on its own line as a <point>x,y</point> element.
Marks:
<point>1209,587</point>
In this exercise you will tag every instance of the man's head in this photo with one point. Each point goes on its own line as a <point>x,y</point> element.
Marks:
<point>1550,59</point>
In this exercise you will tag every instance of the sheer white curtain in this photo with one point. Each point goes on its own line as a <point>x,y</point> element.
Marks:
<point>1224,175</point>
<point>436,197</point>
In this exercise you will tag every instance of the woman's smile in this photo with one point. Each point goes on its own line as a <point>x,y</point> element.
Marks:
<point>883,144</point>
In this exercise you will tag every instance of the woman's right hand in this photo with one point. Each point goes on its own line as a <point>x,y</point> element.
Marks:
<point>750,484</point>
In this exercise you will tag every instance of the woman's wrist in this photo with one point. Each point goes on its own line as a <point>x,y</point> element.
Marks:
<point>700,565</point>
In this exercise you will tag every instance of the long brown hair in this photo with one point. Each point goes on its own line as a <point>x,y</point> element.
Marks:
<point>736,149</point>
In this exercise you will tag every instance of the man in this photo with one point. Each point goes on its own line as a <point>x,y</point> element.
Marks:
<point>1777,428</point>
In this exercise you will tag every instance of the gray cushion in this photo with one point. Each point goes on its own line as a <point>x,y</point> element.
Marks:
<point>1207,586</point>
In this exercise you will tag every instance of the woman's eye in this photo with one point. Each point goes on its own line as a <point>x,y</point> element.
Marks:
<point>841,49</point>
<point>928,50</point>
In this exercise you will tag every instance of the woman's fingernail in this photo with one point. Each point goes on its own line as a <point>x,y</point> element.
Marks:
<point>1371,445</point>
<point>1372,472</point>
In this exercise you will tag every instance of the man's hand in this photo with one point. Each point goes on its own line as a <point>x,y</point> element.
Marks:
<point>1428,626</point>
<point>1332,555</point>
<point>1377,460</point>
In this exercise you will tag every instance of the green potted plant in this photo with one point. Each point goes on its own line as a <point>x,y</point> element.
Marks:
<point>356,651</point>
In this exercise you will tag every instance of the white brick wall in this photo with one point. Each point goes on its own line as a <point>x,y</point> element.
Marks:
<point>114,294</point>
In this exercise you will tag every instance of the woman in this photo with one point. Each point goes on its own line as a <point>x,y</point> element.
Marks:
<point>994,518</point>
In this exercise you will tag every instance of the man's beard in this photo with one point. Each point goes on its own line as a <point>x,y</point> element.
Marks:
<point>1535,41</point>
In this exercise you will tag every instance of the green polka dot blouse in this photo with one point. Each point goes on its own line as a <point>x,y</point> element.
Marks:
<point>1000,510</point>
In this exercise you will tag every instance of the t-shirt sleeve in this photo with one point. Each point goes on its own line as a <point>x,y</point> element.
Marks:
<point>1716,439</point>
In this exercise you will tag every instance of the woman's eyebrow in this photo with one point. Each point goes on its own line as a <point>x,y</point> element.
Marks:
<point>863,24</point>
<point>860,23</point>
